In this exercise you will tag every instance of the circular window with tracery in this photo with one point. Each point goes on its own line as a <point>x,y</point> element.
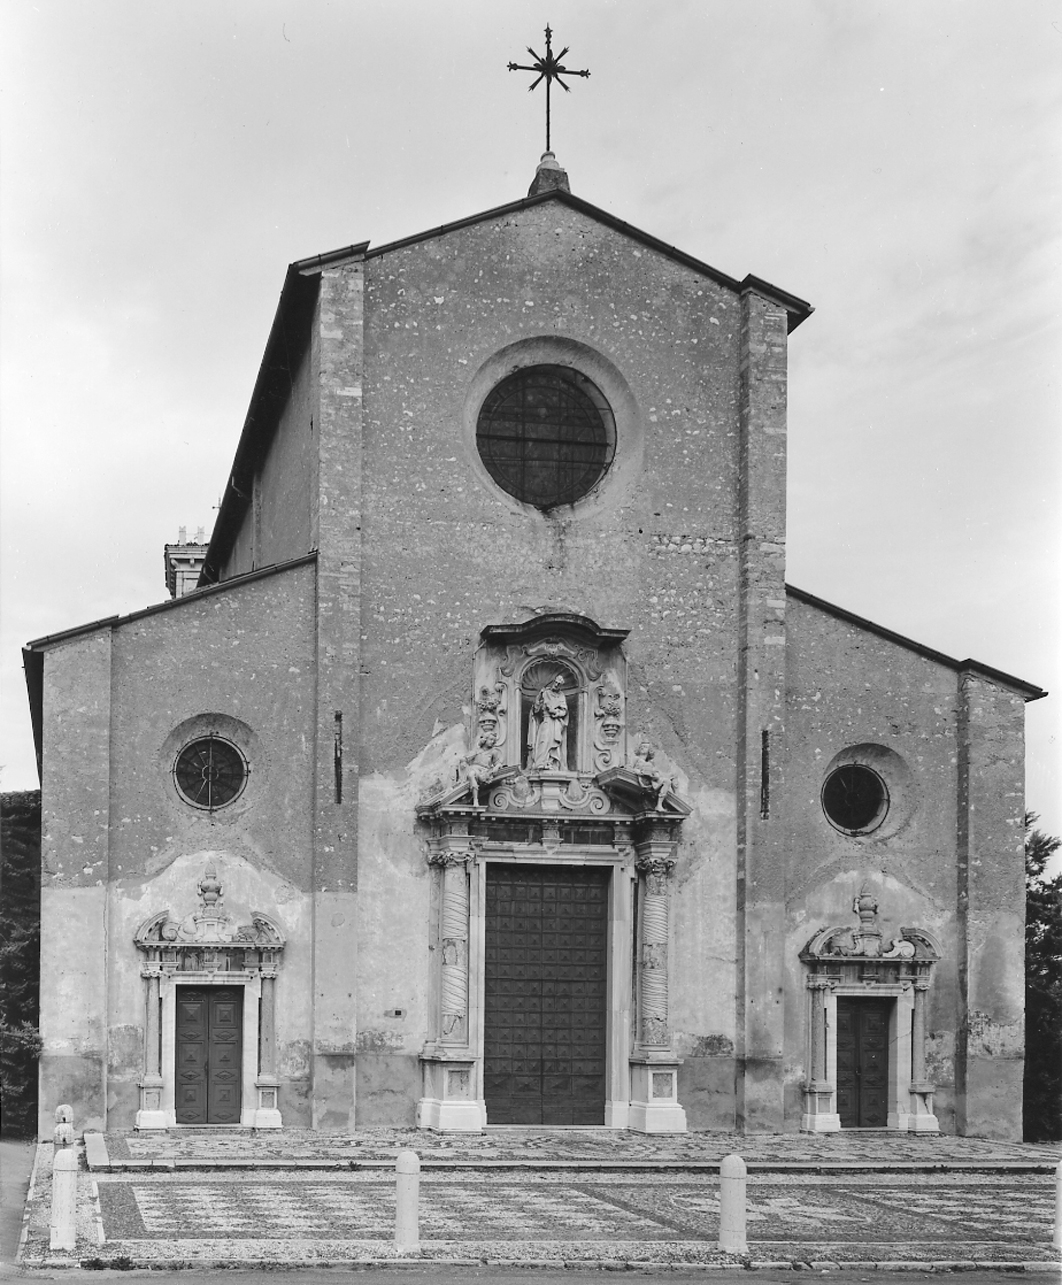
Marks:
<point>855,799</point>
<point>210,772</point>
<point>546,435</point>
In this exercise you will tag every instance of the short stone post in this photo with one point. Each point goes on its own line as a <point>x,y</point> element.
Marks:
<point>63,1133</point>
<point>1057,1241</point>
<point>407,1200</point>
<point>732,1173</point>
<point>63,1224</point>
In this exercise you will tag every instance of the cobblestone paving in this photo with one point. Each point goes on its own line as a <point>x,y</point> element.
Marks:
<point>596,1146</point>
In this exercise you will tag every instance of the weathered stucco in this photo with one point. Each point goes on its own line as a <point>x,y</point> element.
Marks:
<point>348,683</point>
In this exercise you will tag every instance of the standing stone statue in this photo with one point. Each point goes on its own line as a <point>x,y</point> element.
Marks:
<point>547,732</point>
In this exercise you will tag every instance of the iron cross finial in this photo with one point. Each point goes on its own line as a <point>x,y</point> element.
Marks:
<point>549,69</point>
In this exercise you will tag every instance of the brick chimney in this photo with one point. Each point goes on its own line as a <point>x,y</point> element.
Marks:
<point>184,561</point>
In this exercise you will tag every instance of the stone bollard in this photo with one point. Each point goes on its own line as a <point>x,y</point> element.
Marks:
<point>732,1173</point>
<point>63,1133</point>
<point>63,1223</point>
<point>1057,1242</point>
<point>407,1200</point>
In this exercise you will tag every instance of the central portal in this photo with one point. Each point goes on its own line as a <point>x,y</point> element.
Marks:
<point>545,996</point>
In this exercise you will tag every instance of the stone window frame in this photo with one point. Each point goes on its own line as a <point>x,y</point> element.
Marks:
<point>617,483</point>
<point>576,400</point>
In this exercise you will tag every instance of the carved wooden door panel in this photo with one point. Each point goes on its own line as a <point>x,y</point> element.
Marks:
<point>545,994</point>
<point>863,1062</point>
<point>209,1048</point>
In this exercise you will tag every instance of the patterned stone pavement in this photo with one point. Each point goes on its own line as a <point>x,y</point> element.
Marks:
<point>584,1147</point>
<point>218,1215</point>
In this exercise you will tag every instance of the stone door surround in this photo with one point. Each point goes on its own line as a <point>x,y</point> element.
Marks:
<point>208,948</point>
<point>853,961</point>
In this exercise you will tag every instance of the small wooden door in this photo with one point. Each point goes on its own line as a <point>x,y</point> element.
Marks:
<point>209,1046</point>
<point>863,1062</point>
<point>545,1002</point>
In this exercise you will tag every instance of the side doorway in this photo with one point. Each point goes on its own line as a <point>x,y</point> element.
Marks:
<point>209,1054</point>
<point>863,1062</point>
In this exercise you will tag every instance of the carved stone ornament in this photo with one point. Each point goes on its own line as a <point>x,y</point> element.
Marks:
<point>210,938</point>
<point>609,736</point>
<point>492,716</point>
<point>479,768</point>
<point>447,857</point>
<point>865,940</point>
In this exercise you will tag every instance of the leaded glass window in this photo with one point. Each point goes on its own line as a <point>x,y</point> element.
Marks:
<point>546,435</point>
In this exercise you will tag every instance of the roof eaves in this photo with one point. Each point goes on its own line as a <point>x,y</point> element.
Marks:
<point>1029,690</point>
<point>39,645</point>
<point>797,309</point>
<point>299,289</point>
<point>330,259</point>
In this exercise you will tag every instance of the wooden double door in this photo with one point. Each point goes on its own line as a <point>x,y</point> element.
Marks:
<point>209,1054</point>
<point>545,994</point>
<point>863,1062</point>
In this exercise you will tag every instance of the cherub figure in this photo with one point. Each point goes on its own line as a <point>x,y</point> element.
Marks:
<point>478,767</point>
<point>651,778</point>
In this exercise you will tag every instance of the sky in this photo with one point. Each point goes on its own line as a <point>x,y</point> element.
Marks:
<point>894,162</point>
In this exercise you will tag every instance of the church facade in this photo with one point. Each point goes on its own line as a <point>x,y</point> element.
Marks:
<point>493,774</point>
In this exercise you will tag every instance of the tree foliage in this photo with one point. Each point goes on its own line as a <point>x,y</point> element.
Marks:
<point>1043,987</point>
<point>20,935</point>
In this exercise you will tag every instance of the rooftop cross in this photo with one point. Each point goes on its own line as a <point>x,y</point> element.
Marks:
<point>549,69</point>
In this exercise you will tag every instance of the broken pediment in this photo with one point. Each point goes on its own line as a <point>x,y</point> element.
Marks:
<point>210,936</point>
<point>864,940</point>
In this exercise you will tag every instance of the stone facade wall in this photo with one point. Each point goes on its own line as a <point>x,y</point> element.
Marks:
<point>348,684</point>
<point>446,552</point>
<point>907,716</point>
<point>119,844</point>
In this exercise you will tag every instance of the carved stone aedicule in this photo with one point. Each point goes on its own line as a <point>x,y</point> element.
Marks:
<point>858,952</point>
<point>209,939</point>
<point>563,681</point>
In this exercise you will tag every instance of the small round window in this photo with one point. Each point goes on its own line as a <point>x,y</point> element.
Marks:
<point>546,435</point>
<point>855,799</point>
<point>210,772</point>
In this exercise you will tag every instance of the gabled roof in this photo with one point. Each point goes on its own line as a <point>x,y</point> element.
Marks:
<point>798,310</point>
<point>296,304</point>
<point>33,652</point>
<point>1028,690</point>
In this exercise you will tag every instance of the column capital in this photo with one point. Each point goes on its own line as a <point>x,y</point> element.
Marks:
<point>447,857</point>
<point>651,864</point>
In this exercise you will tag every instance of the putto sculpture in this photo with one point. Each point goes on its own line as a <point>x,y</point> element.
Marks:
<point>649,775</point>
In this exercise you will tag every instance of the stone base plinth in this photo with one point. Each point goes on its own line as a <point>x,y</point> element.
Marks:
<point>654,1104</point>
<point>447,1103</point>
<point>820,1122</point>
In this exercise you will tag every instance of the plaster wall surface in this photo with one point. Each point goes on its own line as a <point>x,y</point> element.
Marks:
<point>857,697</point>
<point>445,552</point>
<point>119,838</point>
<point>240,661</point>
<point>75,860</point>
